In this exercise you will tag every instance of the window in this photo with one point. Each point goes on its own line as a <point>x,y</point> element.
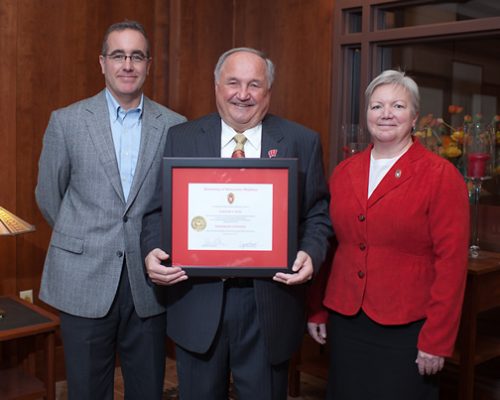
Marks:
<point>434,12</point>
<point>451,49</point>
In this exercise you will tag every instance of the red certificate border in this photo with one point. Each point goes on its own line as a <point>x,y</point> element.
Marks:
<point>178,173</point>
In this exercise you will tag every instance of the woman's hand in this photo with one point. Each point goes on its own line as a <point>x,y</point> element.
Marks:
<point>429,364</point>
<point>317,332</point>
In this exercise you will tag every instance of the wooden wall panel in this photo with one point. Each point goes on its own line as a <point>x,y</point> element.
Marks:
<point>297,36</point>
<point>52,54</point>
<point>159,32</point>
<point>8,26</point>
<point>200,32</point>
<point>50,59</point>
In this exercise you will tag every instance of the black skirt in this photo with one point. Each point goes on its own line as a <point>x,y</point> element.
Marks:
<point>369,361</point>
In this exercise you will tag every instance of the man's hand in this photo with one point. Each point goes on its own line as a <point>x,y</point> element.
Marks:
<point>317,332</point>
<point>160,274</point>
<point>302,266</point>
<point>429,364</point>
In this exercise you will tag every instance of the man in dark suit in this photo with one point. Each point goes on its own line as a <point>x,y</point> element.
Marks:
<point>99,162</point>
<point>248,328</point>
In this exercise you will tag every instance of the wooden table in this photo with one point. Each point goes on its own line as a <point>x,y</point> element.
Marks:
<point>22,320</point>
<point>481,294</point>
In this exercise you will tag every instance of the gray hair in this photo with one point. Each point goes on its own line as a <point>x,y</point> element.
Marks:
<point>398,78</point>
<point>121,26</point>
<point>223,58</point>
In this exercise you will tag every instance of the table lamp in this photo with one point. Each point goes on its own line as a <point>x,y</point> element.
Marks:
<point>10,224</point>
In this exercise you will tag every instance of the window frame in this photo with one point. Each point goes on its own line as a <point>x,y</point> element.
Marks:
<point>369,41</point>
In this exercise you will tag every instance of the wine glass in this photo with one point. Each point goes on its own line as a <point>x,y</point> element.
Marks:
<point>479,142</point>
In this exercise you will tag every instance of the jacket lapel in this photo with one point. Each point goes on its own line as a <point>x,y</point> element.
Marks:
<point>208,144</point>
<point>97,120</point>
<point>272,145</point>
<point>359,174</point>
<point>400,172</point>
<point>151,135</point>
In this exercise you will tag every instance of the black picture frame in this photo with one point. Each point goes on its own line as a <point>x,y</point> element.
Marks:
<point>220,170</point>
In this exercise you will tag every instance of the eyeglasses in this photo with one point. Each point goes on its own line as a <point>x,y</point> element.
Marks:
<point>121,58</point>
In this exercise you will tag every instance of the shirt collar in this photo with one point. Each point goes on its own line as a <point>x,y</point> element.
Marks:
<point>115,108</point>
<point>254,135</point>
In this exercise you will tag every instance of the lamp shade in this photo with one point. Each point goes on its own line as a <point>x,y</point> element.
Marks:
<point>13,225</point>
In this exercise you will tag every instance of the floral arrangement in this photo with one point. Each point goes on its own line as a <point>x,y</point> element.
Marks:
<point>447,140</point>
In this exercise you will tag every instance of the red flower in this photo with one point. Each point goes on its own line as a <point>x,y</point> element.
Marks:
<point>453,109</point>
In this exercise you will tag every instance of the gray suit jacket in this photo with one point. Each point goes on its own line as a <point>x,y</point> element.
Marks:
<point>79,193</point>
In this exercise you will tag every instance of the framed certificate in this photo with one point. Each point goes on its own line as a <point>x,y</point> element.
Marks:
<point>230,217</point>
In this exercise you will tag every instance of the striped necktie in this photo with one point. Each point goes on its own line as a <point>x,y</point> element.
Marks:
<point>239,151</point>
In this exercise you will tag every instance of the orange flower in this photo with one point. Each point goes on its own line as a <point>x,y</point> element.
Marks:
<point>453,109</point>
<point>446,140</point>
<point>426,121</point>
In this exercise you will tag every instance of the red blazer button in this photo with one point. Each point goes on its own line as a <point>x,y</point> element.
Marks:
<point>361,274</point>
<point>361,217</point>
<point>362,246</point>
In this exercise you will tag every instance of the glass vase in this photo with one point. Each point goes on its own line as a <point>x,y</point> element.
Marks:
<point>479,144</point>
<point>354,139</point>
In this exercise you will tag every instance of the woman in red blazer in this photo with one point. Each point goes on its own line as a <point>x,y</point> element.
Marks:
<point>394,293</point>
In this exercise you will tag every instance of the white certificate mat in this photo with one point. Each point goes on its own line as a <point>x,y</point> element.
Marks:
<point>230,216</point>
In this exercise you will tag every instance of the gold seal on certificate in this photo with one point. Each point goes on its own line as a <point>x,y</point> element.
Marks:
<point>198,223</point>
<point>230,198</point>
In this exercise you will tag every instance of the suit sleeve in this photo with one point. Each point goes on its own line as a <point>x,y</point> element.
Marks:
<point>53,170</point>
<point>449,228</point>
<point>315,229</point>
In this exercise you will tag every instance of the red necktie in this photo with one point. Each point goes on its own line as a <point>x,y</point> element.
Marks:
<point>239,151</point>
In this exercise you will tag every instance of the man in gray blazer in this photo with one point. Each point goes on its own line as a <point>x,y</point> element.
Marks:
<point>246,327</point>
<point>97,172</point>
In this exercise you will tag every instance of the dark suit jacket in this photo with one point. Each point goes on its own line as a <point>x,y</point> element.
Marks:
<point>195,306</point>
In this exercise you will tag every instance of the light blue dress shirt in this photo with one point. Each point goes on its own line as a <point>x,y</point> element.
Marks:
<point>126,131</point>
